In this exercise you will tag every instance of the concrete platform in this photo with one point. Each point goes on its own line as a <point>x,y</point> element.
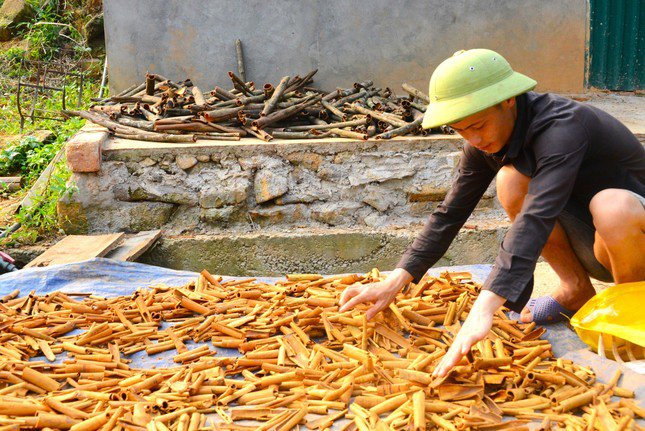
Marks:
<point>328,251</point>
<point>546,281</point>
<point>629,108</point>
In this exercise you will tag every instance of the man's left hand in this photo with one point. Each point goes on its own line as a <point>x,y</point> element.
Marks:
<point>475,328</point>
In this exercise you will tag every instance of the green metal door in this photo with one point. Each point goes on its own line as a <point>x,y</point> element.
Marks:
<point>616,45</point>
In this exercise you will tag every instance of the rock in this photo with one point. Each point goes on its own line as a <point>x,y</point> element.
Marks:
<point>421,209</point>
<point>128,216</point>
<point>305,187</point>
<point>260,161</point>
<point>335,214</point>
<point>486,203</point>
<point>218,215</point>
<point>427,193</point>
<point>304,196</point>
<point>204,158</point>
<point>12,13</point>
<point>279,214</point>
<point>335,173</point>
<point>205,175</point>
<point>269,185</point>
<point>154,193</point>
<point>345,157</point>
<point>185,162</point>
<point>231,191</point>
<point>453,158</point>
<point>491,191</point>
<point>389,168</point>
<point>167,159</point>
<point>96,189</point>
<point>184,219</point>
<point>23,253</point>
<point>375,220</point>
<point>158,185</point>
<point>380,198</point>
<point>147,162</point>
<point>308,160</point>
<point>149,215</point>
<point>438,170</point>
<point>128,193</point>
<point>134,168</point>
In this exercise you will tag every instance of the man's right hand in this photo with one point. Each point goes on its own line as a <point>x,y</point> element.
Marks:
<point>381,294</point>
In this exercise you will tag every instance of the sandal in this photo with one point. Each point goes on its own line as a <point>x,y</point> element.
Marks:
<point>545,310</point>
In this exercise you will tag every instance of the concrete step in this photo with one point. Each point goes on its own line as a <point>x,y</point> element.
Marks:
<point>326,251</point>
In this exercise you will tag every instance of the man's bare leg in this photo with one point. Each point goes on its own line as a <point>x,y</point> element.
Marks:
<point>575,286</point>
<point>619,218</point>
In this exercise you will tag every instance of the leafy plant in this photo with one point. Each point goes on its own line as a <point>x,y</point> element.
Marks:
<point>47,31</point>
<point>10,60</point>
<point>13,158</point>
<point>54,29</point>
<point>41,218</point>
<point>29,157</point>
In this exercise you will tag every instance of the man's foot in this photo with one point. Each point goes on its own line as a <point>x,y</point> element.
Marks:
<point>566,300</point>
<point>543,310</point>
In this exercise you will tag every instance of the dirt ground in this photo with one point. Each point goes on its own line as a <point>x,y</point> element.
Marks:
<point>546,280</point>
<point>8,206</point>
<point>629,108</point>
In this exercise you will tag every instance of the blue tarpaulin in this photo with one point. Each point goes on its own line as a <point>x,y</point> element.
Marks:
<point>105,277</point>
<point>108,278</point>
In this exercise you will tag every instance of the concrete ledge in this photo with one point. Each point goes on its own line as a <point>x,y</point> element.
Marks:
<point>127,150</point>
<point>83,150</point>
<point>629,109</point>
<point>327,252</point>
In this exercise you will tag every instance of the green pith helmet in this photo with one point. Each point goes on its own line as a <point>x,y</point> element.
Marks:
<point>469,82</point>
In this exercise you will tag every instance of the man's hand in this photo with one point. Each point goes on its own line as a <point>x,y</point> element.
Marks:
<point>381,293</point>
<point>475,328</point>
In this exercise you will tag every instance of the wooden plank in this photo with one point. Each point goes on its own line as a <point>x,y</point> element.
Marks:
<point>134,245</point>
<point>75,248</point>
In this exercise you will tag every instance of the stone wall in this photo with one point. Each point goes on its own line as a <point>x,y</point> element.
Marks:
<point>251,186</point>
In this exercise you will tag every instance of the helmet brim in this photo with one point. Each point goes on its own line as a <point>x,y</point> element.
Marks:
<point>450,111</point>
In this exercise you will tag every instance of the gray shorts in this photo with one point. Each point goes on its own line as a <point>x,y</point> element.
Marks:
<point>579,228</point>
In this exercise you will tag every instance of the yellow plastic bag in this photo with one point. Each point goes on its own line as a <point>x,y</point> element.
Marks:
<point>618,313</point>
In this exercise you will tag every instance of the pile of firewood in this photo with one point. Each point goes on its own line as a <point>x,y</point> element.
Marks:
<point>301,362</point>
<point>164,111</point>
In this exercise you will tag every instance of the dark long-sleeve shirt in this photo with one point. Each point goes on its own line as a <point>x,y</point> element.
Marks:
<point>571,151</point>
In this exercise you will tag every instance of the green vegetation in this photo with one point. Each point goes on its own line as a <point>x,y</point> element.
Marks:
<point>56,33</point>
<point>41,219</point>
